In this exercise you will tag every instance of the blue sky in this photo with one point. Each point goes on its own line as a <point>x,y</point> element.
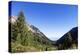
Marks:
<point>54,20</point>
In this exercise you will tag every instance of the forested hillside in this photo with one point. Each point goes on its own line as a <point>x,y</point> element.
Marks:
<point>23,40</point>
<point>69,40</point>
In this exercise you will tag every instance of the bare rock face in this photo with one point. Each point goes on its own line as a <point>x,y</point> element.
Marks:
<point>12,19</point>
<point>30,29</point>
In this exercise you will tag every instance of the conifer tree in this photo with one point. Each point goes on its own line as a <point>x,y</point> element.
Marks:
<point>22,28</point>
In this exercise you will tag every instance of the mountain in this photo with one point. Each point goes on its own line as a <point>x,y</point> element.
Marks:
<point>68,40</point>
<point>37,31</point>
<point>31,28</point>
<point>27,37</point>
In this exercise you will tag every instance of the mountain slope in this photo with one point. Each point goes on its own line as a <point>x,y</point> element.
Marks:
<point>27,37</point>
<point>68,39</point>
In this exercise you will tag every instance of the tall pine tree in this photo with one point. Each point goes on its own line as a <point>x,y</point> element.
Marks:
<point>19,30</point>
<point>22,28</point>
